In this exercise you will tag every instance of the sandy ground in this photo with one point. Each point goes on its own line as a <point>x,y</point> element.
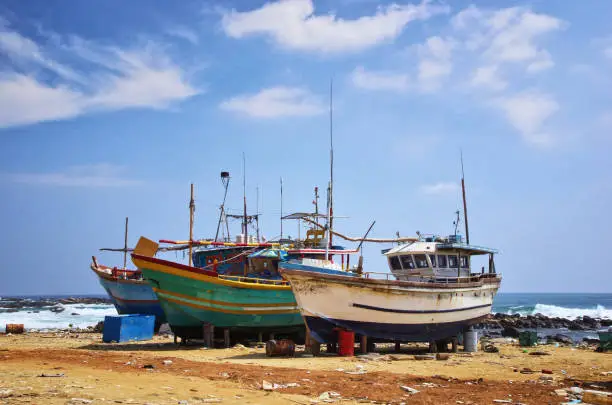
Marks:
<point>120,373</point>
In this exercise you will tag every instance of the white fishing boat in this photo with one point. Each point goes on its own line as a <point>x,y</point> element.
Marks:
<point>434,296</point>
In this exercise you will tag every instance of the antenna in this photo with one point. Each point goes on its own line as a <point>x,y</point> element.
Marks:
<point>465,214</point>
<point>245,230</point>
<point>331,160</point>
<point>316,204</point>
<point>281,202</point>
<point>257,215</point>
<point>225,178</point>
<point>125,248</point>
<point>191,211</point>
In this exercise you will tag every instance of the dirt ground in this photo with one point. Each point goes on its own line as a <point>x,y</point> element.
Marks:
<point>159,372</point>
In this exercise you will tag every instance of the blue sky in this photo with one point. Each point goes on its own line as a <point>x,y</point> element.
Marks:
<point>111,109</point>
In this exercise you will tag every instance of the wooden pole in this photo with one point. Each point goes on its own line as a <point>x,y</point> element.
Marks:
<point>125,244</point>
<point>191,210</point>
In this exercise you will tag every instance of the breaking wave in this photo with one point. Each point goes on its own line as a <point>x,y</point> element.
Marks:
<point>554,311</point>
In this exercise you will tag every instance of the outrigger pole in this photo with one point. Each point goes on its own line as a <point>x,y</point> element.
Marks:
<point>465,214</point>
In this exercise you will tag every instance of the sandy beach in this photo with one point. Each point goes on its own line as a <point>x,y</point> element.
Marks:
<point>79,368</point>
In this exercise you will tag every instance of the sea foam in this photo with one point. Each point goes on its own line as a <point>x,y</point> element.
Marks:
<point>44,318</point>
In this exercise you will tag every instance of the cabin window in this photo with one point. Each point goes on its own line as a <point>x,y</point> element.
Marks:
<point>465,262</point>
<point>442,261</point>
<point>407,262</point>
<point>395,263</point>
<point>421,261</point>
<point>432,258</point>
<point>452,261</point>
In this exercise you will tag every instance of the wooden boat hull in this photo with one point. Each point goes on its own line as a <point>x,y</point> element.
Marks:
<point>192,297</point>
<point>389,309</point>
<point>131,296</point>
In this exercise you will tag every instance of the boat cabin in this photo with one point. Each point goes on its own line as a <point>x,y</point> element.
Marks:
<point>223,260</point>
<point>433,258</point>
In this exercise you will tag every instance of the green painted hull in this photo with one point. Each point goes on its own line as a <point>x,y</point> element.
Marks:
<point>189,303</point>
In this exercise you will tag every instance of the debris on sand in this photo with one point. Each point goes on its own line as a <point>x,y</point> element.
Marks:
<point>409,390</point>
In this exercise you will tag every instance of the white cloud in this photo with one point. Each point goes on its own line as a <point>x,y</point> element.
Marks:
<point>184,33</point>
<point>435,62</point>
<point>94,176</point>
<point>509,35</point>
<point>292,24</point>
<point>24,100</point>
<point>488,77</point>
<point>380,80</point>
<point>276,102</point>
<point>440,188</point>
<point>116,78</point>
<point>528,112</point>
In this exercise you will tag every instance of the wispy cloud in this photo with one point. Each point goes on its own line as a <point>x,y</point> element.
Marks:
<point>184,33</point>
<point>528,112</point>
<point>92,176</point>
<point>435,62</point>
<point>379,80</point>
<point>293,24</point>
<point>140,76</point>
<point>276,102</point>
<point>441,188</point>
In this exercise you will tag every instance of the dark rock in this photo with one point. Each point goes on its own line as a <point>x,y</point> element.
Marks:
<point>510,331</point>
<point>560,338</point>
<point>99,327</point>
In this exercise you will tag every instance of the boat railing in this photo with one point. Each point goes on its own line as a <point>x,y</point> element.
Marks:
<point>254,280</point>
<point>370,273</point>
<point>438,280</point>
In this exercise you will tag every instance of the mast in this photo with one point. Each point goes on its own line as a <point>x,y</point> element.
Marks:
<point>191,211</point>
<point>245,230</point>
<point>225,178</point>
<point>465,214</point>
<point>125,248</point>
<point>281,202</point>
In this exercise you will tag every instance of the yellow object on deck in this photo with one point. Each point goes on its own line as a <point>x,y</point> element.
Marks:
<point>146,247</point>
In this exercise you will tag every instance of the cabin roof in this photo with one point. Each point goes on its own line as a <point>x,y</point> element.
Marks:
<point>431,247</point>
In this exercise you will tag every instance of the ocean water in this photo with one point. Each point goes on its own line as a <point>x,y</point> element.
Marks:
<point>53,316</point>
<point>79,315</point>
<point>561,305</point>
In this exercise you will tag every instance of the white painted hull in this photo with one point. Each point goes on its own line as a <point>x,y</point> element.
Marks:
<point>391,309</point>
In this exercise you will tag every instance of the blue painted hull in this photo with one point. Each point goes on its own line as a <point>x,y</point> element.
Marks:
<point>133,297</point>
<point>322,330</point>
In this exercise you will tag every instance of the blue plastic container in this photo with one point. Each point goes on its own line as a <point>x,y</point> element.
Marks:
<point>123,328</point>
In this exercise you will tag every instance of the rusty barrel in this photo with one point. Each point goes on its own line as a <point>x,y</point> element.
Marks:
<point>346,343</point>
<point>283,347</point>
<point>14,328</point>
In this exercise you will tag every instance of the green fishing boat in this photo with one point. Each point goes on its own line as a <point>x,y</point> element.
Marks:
<point>249,297</point>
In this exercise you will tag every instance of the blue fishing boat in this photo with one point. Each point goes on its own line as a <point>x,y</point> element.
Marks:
<point>127,289</point>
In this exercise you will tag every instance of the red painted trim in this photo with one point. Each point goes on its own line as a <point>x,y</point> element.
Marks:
<point>175,265</point>
<point>321,251</point>
<point>228,244</point>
